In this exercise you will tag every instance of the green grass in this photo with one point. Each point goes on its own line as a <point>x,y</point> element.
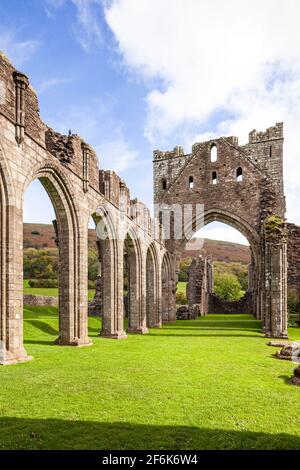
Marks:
<point>211,383</point>
<point>51,292</point>
<point>181,287</point>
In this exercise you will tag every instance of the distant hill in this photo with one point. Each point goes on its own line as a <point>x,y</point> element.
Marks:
<point>43,236</point>
<point>218,250</point>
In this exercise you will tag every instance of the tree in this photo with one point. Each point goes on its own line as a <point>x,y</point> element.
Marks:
<point>184,267</point>
<point>227,286</point>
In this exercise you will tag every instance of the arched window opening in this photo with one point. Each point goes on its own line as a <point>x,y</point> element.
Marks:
<point>164,184</point>
<point>239,175</point>
<point>229,280</point>
<point>214,177</point>
<point>191,182</point>
<point>213,153</point>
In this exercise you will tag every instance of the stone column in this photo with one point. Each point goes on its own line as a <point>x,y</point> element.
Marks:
<point>11,301</point>
<point>81,337</point>
<point>275,278</point>
<point>136,317</point>
<point>112,275</point>
<point>143,291</point>
<point>73,284</point>
<point>172,293</point>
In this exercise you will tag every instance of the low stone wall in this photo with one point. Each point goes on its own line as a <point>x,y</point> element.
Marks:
<point>40,300</point>
<point>244,305</point>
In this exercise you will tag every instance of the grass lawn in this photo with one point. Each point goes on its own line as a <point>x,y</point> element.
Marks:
<point>211,383</point>
<point>181,287</point>
<point>51,292</point>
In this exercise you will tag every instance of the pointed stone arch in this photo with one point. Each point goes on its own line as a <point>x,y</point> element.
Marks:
<point>153,288</point>
<point>72,257</point>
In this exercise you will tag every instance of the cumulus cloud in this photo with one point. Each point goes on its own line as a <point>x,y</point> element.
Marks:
<point>118,155</point>
<point>19,52</point>
<point>219,68</point>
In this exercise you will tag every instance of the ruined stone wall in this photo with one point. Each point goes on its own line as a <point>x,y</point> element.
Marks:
<point>218,305</point>
<point>242,187</point>
<point>251,199</point>
<point>199,285</point>
<point>293,255</point>
<point>40,300</point>
<point>68,169</point>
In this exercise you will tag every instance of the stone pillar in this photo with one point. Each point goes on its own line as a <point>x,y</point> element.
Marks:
<point>200,279</point>
<point>73,284</point>
<point>153,291</point>
<point>136,317</point>
<point>111,252</point>
<point>11,289</point>
<point>172,292</point>
<point>275,278</point>
<point>81,317</point>
<point>143,291</point>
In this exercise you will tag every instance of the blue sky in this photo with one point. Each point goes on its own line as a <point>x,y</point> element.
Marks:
<point>131,76</point>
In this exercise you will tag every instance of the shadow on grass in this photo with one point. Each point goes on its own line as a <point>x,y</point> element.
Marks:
<point>286,379</point>
<point>205,335</point>
<point>44,327</point>
<point>22,433</point>
<point>40,341</point>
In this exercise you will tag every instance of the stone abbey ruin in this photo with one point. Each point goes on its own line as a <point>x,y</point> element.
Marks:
<point>241,186</point>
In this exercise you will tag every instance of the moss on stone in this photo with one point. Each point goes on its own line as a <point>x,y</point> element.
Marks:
<point>275,228</point>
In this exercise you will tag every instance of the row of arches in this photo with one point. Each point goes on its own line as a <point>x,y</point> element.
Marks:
<point>145,261</point>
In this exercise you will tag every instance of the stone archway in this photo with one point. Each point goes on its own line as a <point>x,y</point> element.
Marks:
<point>136,316</point>
<point>152,289</point>
<point>72,257</point>
<point>111,259</point>
<point>167,298</point>
<point>241,187</point>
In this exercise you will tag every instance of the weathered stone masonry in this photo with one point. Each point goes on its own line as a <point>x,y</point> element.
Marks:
<point>68,169</point>
<point>242,187</point>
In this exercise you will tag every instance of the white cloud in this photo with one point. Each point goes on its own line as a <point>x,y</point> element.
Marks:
<point>47,84</point>
<point>117,155</point>
<point>86,28</point>
<point>219,67</point>
<point>19,52</point>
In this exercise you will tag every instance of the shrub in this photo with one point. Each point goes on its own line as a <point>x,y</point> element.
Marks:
<point>183,276</point>
<point>181,298</point>
<point>91,285</point>
<point>43,283</point>
<point>227,287</point>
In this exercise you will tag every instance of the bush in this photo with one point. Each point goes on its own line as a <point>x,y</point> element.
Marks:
<point>181,298</point>
<point>43,283</point>
<point>91,285</point>
<point>184,267</point>
<point>183,276</point>
<point>41,264</point>
<point>227,287</point>
<point>238,269</point>
<point>293,305</point>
